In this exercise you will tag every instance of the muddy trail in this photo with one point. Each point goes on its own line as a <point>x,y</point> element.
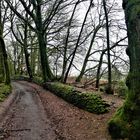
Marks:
<point>38,114</point>
<point>26,119</point>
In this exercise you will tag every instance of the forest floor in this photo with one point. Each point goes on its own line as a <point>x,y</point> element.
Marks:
<point>38,114</point>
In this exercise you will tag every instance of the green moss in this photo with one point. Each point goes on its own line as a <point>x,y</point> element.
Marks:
<point>134,8</point>
<point>4,91</point>
<point>126,121</point>
<point>37,80</point>
<point>88,101</point>
<point>135,135</point>
<point>121,89</point>
<point>135,12</point>
<point>1,78</point>
<point>118,125</point>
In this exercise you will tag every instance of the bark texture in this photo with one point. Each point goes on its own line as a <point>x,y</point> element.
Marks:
<point>126,121</point>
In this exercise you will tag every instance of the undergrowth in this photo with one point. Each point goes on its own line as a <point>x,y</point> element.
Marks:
<point>36,79</point>
<point>4,91</point>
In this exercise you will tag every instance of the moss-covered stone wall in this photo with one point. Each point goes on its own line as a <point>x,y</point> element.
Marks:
<point>88,101</point>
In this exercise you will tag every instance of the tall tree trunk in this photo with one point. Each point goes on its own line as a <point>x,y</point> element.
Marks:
<point>38,70</point>
<point>109,87</point>
<point>47,74</point>
<point>20,61</point>
<point>1,66</point>
<point>28,66</point>
<point>126,122</point>
<point>34,53</point>
<point>1,53</point>
<point>15,58</point>
<point>46,71</point>
<point>33,59</point>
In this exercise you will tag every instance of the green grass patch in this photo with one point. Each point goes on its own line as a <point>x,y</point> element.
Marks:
<point>85,100</point>
<point>4,91</point>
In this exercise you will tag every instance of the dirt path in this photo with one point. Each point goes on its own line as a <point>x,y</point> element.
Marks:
<point>40,115</point>
<point>27,119</point>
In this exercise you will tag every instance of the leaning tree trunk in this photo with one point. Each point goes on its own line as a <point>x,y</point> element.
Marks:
<point>63,76</point>
<point>126,122</point>
<point>77,43</point>
<point>82,72</point>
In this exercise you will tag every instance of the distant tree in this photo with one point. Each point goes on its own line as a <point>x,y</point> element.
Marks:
<point>126,122</point>
<point>22,37</point>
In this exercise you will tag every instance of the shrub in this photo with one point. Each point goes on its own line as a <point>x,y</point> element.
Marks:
<point>37,80</point>
<point>121,89</point>
<point>88,101</point>
<point>20,77</point>
<point>4,91</point>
